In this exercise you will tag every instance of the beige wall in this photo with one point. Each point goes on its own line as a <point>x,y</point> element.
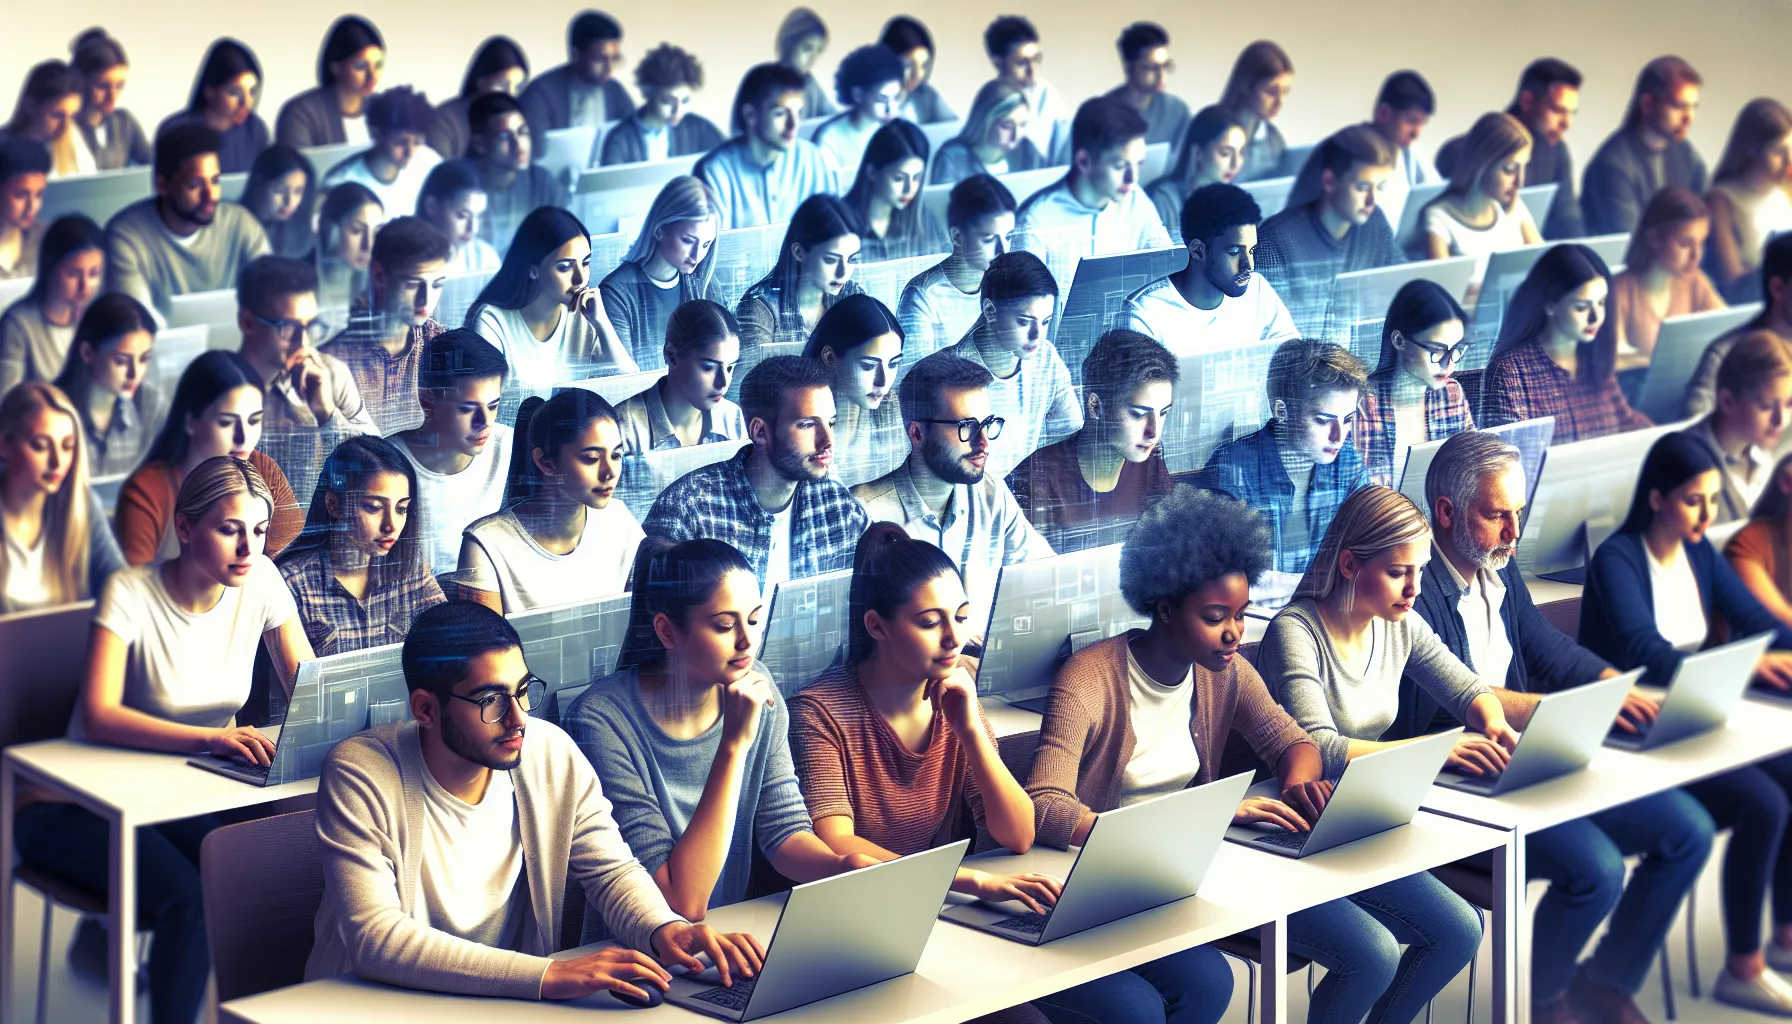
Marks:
<point>1341,48</point>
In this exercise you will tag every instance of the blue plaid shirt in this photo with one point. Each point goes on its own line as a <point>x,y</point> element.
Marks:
<point>1250,469</point>
<point>718,501</point>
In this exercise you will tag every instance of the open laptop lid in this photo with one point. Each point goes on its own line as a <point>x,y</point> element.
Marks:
<point>1380,791</point>
<point>1564,731</point>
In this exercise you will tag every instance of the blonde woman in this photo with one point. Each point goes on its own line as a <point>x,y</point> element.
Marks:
<point>57,547</point>
<point>1479,213</point>
<point>1749,196</point>
<point>48,104</point>
<point>994,138</point>
<point>671,263</point>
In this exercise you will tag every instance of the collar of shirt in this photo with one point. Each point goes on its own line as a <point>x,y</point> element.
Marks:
<point>914,508</point>
<point>659,424</point>
<point>741,493</point>
<point>1322,237</point>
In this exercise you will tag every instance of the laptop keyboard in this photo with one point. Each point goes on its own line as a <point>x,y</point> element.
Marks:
<point>734,998</point>
<point>1285,840</point>
<point>1030,923</point>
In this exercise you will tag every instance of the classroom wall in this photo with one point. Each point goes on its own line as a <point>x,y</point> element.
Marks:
<point>1341,50</point>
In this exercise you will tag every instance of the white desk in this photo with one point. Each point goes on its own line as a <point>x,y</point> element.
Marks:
<point>127,789</point>
<point>966,973</point>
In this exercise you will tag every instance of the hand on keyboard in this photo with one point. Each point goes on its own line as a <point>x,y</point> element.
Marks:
<point>1270,813</point>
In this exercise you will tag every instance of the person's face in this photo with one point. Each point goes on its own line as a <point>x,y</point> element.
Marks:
<point>507,142</point>
<point>1006,132</point>
<point>231,425</point>
<point>669,105</point>
<point>462,416</point>
<point>195,190</point>
<point>1207,625</point>
<point>917,65</point>
<point>1387,584</point>
<point>76,280</point>
<point>1551,115</point>
<point>828,265</point>
<point>1115,172</point>
<point>234,100</point>
<point>1021,325</point>
<point>359,74</point>
<point>21,199</point>
<point>881,104</point>
<point>1136,427</point>
<point>979,242</point>
<point>508,81</point>
<point>119,366</point>
<point>701,375</point>
<point>285,196</point>
<point>497,745</point>
<point>774,123</point>
<point>1151,71</point>
<point>276,346</point>
<point>588,466</point>
<point>1581,313</point>
<point>1671,115</point>
<point>44,449</point>
<point>412,293</point>
<point>866,375</point>
<point>1022,65</point>
<point>1402,128</point>
<point>715,645</point>
<point>1486,532</point>
<point>802,441</point>
<point>804,54</point>
<point>1776,160</point>
<point>923,638</point>
<point>1321,429</point>
<point>55,117</point>
<point>1270,94</point>
<point>1503,178</point>
<point>1230,259</point>
<point>372,521</point>
<point>600,60</point>
<point>948,456</point>
<point>565,271</point>
<point>1354,197</point>
<point>225,541</point>
<point>105,89</point>
<point>685,244</point>
<point>458,218</point>
<point>354,236</point>
<point>899,183</point>
<point>399,147</point>
<point>1221,160</point>
<point>1427,355</point>
<point>1760,414</point>
<point>1687,511</point>
<point>1679,248</point>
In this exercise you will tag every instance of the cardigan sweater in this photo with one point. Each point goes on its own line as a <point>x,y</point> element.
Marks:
<point>146,509</point>
<point>126,144</point>
<point>312,118</point>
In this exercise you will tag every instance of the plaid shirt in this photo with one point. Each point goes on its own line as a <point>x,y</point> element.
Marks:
<point>718,501</point>
<point>336,622</point>
<point>1250,469</point>
<point>1446,413</point>
<point>1524,383</point>
<point>388,382</point>
<point>1300,259</point>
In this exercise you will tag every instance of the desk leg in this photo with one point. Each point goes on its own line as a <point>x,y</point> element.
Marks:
<point>8,908</point>
<point>1272,976</point>
<point>1508,908</point>
<point>123,921</point>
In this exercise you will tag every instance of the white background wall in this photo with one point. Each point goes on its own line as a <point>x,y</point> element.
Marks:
<point>1341,48</point>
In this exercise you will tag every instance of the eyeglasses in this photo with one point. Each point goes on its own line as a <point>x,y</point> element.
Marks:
<point>1168,67</point>
<point>991,426</point>
<point>495,707</point>
<point>1442,355</point>
<point>295,330</point>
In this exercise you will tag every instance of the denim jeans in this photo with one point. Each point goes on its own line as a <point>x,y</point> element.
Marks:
<point>1357,940</point>
<point>1584,863</point>
<point>1753,802</point>
<point>73,843</point>
<point>1190,987</point>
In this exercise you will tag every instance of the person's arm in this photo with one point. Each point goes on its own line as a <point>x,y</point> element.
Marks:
<point>1617,582</point>
<point>136,520</point>
<point>477,577</point>
<point>1453,684</point>
<point>781,822</point>
<point>1277,739</point>
<point>619,305</point>
<point>289,648</point>
<point>1516,706</point>
<point>1437,238</point>
<point>1294,672</point>
<point>1733,601</point>
<point>1060,818</point>
<point>103,555</point>
<point>996,799</point>
<point>1608,202</point>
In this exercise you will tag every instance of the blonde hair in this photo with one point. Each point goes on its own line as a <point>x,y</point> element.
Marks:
<point>1373,520</point>
<point>215,479</point>
<point>1494,137</point>
<point>65,526</point>
<point>1756,359</point>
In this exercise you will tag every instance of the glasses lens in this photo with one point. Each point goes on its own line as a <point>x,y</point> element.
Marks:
<point>992,427</point>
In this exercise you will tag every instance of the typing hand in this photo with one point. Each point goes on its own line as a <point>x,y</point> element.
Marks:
<point>311,379</point>
<point>734,953</point>
<point>742,703</point>
<point>610,970</point>
<point>1639,711</point>
<point>1308,799</point>
<point>855,861</point>
<point>1502,735</point>
<point>1034,891</point>
<point>241,743</point>
<point>1264,810</point>
<point>1478,755</point>
<point>1775,670</point>
<point>955,696</point>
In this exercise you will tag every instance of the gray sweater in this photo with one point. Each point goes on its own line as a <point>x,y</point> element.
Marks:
<point>638,314</point>
<point>312,118</point>
<point>1336,704</point>
<point>147,262</point>
<point>370,819</point>
<point>125,145</point>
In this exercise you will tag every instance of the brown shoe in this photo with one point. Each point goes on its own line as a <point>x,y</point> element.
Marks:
<point>1559,1010</point>
<point>1601,1004</point>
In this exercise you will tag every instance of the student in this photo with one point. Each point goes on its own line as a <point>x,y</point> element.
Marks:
<point>1113,731</point>
<point>58,548</point>
<point>1750,199</point>
<point>945,493</point>
<point>886,196</point>
<point>774,501</point>
<point>281,192</point>
<point>893,747</point>
<point>502,147</point>
<point>109,131</point>
<point>1087,490</point>
<point>1334,658</point>
<point>1557,351</point>
<point>461,453</point>
<point>813,271</point>
<point>1412,397</point>
<point>499,805</point>
<point>358,572</point>
<point>868,84</point>
<point>1216,302</point>
<point>1480,212</point>
<point>215,411</point>
<point>1212,153</point>
<point>1031,387</point>
<point>1547,100</point>
<point>663,126</point>
<point>1402,109</point>
<point>993,140</point>
<point>584,90</point>
<point>185,238</point>
<point>383,348</point>
<point>1300,467</point>
<point>1654,590</point>
<point>348,72</point>
<point>497,66</point>
<point>168,667</point>
<point>690,739</point>
<point>1334,224</point>
<point>453,201</point>
<point>1012,44</point>
<point>1145,57</point>
<point>38,331</point>
<point>1261,79</point>
<point>1099,207</point>
<point>48,105</point>
<point>944,301</point>
<point>1661,276</point>
<point>1776,289</point>
<point>1476,603</point>
<point>225,94</point>
<point>347,223</point>
<point>1761,552</point>
<point>395,166</point>
<point>1649,152</point>
<point>562,536</point>
<point>763,172</point>
<point>861,345</point>
<point>24,169</point>
<point>689,405</point>
<point>908,39</point>
<point>1754,400</point>
<point>672,262</point>
<point>802,36</point>
<point>106,378</point>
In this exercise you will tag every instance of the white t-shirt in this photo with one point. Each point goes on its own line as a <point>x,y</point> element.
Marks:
<point>1488,645</point>
<point>1159,311</point>
<point>657,143</point>
<point>527,575</point>
<point>187,667</point>
<point>1410,428</point>
<point>25,589</point>
<point>451,502</point>
<point>398,196</point>
<point>354,133</point>
<point>472,861</point>
<point>1506,232</point>
<point>573,351</point>
<point>1164,758</point>
<point>778,567</point>
<point>1679,613</point>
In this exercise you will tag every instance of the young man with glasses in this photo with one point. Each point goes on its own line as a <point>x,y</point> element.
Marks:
<point>1145,56</point>
<point>448,841</point>
<point>383,347</point>
<point>946,493</point>
<point>311,403</point>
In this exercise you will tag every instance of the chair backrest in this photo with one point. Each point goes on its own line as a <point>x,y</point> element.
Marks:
<point>262,882</point>
<point>40,674</point>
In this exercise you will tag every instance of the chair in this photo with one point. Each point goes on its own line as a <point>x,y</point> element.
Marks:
<point>263,882</point>
<point>1247,948</point>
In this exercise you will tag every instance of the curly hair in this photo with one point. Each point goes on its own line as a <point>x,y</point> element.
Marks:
<point>1185,541</point>
<point>667,67</point>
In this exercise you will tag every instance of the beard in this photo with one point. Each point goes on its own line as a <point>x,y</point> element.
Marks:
<point>195,214</point>
<point>1228,284</point>
<point>795,465</point>
<point>947,464</point>
<point>477,751</point>
<point>1493,559</point>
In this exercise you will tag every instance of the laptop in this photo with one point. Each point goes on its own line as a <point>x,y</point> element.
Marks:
<point>243,771</point>
<point>835,935</point>
<point>1704,691</point>
<point>1564,731</point>
<point>1377,792</point>
<point>1134,859</point>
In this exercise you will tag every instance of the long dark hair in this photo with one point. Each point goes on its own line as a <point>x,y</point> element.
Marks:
<point>1208,124</point>
<point>294,237</point>
<point>1672,460</point>
<point>549,425</point>
<point>546,229</point>
<point>821,217</point>
<point>493,56</point>
<point>892,144</point>
<point>346,474</point>
<point>348,36</point>
<point>65,237</point>
<point>671,579</point>
<point>887,568</point>
<point>849,323</point>
<point>226,59</point>
<point>1561,270</point>
<point>1417,307</point>
<point>201,383</point>
<point>109,318</point>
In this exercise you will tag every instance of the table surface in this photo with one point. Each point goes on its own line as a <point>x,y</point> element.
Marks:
<point>143,786</point>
